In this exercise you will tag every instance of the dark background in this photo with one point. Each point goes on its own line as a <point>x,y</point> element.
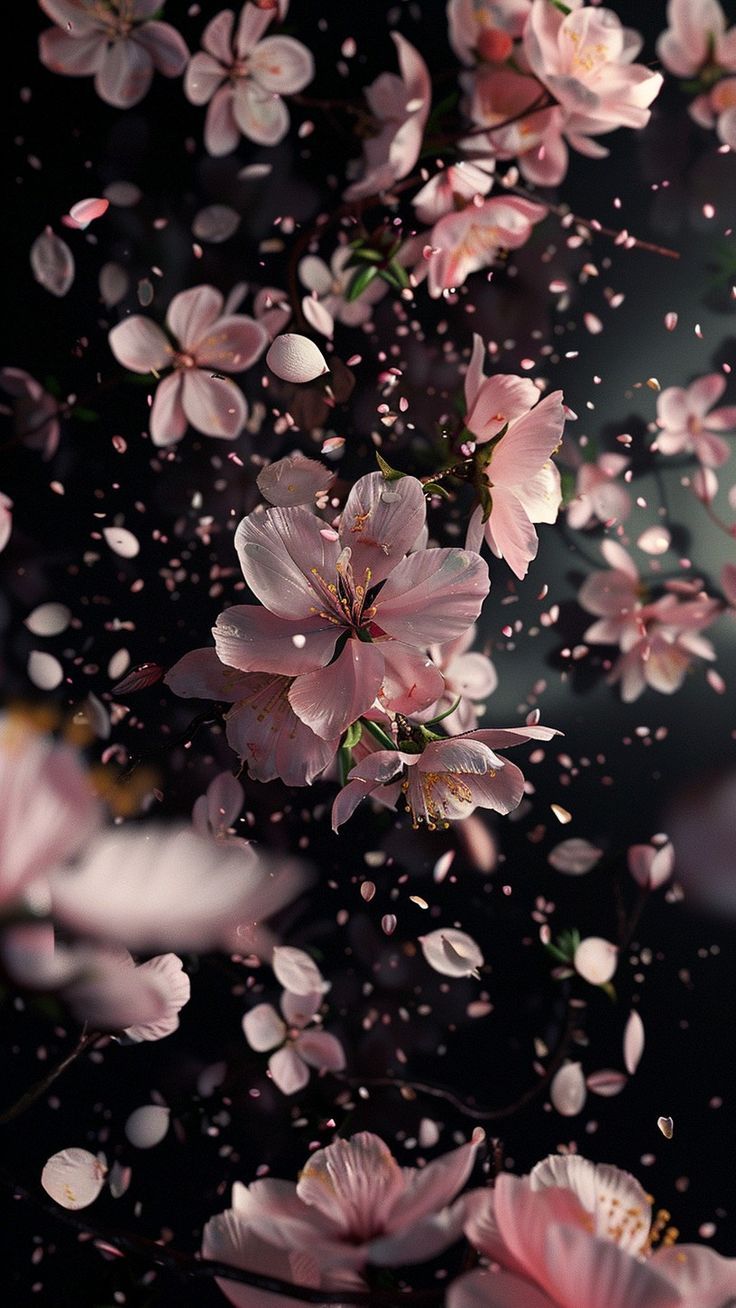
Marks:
<point>67,144</point>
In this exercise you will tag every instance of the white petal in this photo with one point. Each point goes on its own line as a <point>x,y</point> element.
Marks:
<point>633,1042</point>
<point>147,1126</point>
<point>574,857</point>
<point>48,619</point>
<point>296,359</point>
<point>596,960</point>
<point>451,952</point>
<point>567,1091</point>
<point>297,972</point>
<point>73,1178</point>
<point>122,542</point>
<point>44,670</point>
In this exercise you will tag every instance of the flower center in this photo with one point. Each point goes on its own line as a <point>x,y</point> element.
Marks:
<point>184,360</point>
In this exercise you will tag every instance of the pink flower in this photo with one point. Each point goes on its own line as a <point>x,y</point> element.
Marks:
<point>462,180</point>
<point>36,413</point>
<point>353,1205</point>
<point>349,613</point>
<point>298,1049</point>
<point>696,35</point>
<point>466,241</point>
<point>470,677</point>
<point>717,108</point>
<point>521,432</point>
<point>261,727</point>
<point>329,286</point>
<point>215,812</point>
<point>242,78</point>
<point>573,1233</point>
<point>495,95</point>
<point>584,58</point>
<point>401,106</point>
<point>144,1001</point>
<point>117,43</point>
<point>295,480</point>
<point>688,422</point>
<point>598,496</point>
<point>207,345</point>
<point>441,780</point>
<point>477,27</point>
<point>658,640</point>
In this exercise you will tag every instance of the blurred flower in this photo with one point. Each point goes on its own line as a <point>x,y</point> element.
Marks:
<point>401,106</point>
<point>329,286</point>
<point>36,413</point>
<point>119,43</point>
<point>598,496</point>
<point>461,243</point>
<point>688,422</point>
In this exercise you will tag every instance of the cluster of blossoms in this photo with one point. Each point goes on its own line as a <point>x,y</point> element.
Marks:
<point>698,48</point>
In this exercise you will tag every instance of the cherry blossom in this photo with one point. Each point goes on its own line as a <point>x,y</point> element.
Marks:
<point>119,44</point>
<point>297,1048</point>
<point>329,285</point>
<point>400,105</point>
<point>598,495</point>
<point>215,812</point>
<point>689,424</point>
<point>585,59</point>
<point>485,29</point>
<point>695,37</point>
<point>294,480</point>
<point>521,432</point>
<point>352,1206</point>
<point>241,76</point>
<point>35,412</point>
<point>470,678</point>
<point>576,1232</point>
<point>318,586</point>
<point>717,108</point>
<point>206,345</point>
<point>465,180</point>
<point>463,242</point>
<point>658,640</point>
<point>261,727</point>
<point>446,781</point>
<point>521,124</point>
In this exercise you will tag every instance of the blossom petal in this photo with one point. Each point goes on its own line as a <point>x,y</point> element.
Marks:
<point>203,76</point>
<point>191,314</point>
<point>290,1073</point>
<point>432,596</point>
<point>353,1182</point>
<point>251,639</point>
<point>321,1050</point>
<point>231,344</point>
<point>511,534</point>
<point>331,699</point>
<point>261,115</point>
<point>168,419</point>
<point>200,674</point>
<point>166,47</point>
<point>73,1178</point>
<point>214,405</point>
<point>380,523</point>
<point>280,551</point>
<point>528,444</point>
<point>125,74</point>
<point>140,345</point>
<point>279,63</point>
<point>221,132</point>
<point>263,1028</point>
<point>501,400</point>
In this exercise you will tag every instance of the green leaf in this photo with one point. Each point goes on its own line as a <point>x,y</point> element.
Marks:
<point>433,488</point>
<point>353,735</point>
<point>84,415</point>
<point>400,273</point>
<point>365,253</point>
<point>389,473</point>
<point>359,283</point>
<point>378,733</point>
<point>564,9</point>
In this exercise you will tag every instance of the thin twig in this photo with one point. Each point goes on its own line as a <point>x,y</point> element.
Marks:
<point>35,1091</point>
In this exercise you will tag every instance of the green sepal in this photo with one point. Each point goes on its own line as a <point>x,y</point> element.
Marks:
<point>389,473</point>
<point>353,735</point>
<point>433,488</point>
<point>360,282</point>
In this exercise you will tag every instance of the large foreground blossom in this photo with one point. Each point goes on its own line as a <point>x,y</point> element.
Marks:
<point>241,76</point>
<point>207,344</point>
<point>573,1233</point>
<point>444,783</point>
<point>658,640</point>
<point>585,59</point>
<point>349,613</point>
<point>118,43</point>
<point>401,106</point>
<point>353,1205</point>
<point>521,432</point>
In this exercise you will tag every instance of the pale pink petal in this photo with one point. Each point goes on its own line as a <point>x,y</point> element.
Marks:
<point>453,953</point>
<point>432,596</point>
<point>227,1239</point>
<point>168,419</point>
<point>251,639</point>
<point>263,1028</point>
<point>495,1290</point>
<point>633,1042</point>
<point>217,37</point>
<point>411,681</point>
<point>321,1050</point>
<point>203,76</point>
<point>267,735</point>
<point>280,551</point>
<point>705,392</point>
<point>52,263</point>
<point>502,791</point>
<point>574,857</point>
<point>380,523</point>
<point>608,594</point>
<point>474,378</point>
<point>673,409</point>
<point>290,1073</point>
<point>85,211</point>
<point>529,442</point>
<point>334,697</point>
<point>298,1010</point>
<point>279,63</point>
<point>568,1090</point>
<point>315,275</point>
<point>354,1183</point>
<point>512,535</point>
<point>582,1269</point>
<point>700,1275</point>
<point>261,115</point>
<point>499,400</point>
<point>125,74</point>
<point>72,16</point>
<point>73,1178</point>
<point>201,675</point>
<point>231,344</point>
<point>140,345</point>
<point>294,480</point>
<point>297,971</point>
<point>221,132</point>
<point>295,358</point>
<point>6,520</point>
<point>175,989</point>
<point>73,57</point>
<point>253,23</point>
<point>596,960</point>
<point>166,47</point>
<point>192,313</point>
<point>213,405</point>
<point>348,800</point>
